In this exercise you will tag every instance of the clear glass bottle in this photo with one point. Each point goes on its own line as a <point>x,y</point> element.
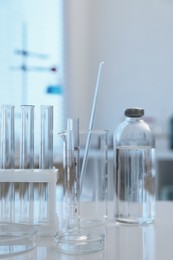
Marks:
<point>134,169</point>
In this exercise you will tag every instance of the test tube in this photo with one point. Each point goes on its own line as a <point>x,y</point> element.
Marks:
<point>7,161</point>
<point>46,141</point>
<point>46,157</point>
<point>27,137</point>
<point>27,161</point>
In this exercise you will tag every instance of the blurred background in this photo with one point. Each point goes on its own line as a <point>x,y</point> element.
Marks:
<point>50,52</point>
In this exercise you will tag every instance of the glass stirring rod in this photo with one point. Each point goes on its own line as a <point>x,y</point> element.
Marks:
<point>46,157</point>
<point>27,162</point>
<point>7,161</point>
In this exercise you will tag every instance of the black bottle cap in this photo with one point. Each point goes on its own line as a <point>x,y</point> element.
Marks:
<point>134,112</point>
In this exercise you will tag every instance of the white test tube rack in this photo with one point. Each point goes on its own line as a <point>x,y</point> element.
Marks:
<point>44,225</point>
<point>28,195</point>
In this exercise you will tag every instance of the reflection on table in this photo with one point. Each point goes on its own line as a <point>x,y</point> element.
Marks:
<point>122,242</point>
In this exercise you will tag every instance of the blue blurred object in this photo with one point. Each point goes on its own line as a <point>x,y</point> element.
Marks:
<point>56,90</point>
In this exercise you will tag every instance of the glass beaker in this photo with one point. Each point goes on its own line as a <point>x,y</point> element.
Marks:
<point>135,242</point>
<point>94,182</point>
<point>72,239</point>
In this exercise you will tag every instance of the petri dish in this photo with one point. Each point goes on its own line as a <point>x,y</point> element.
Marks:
<point>79,242</point>
<point>16,238</point>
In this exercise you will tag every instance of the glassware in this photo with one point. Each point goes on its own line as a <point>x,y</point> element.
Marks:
<point>46,140</point>
<point>94,188</point>
<point>16,239</point>
<point>72,239</point>
<point>27,162</point>
<point>45,158</point>
<point>134,148</point>
<point>71,177</point>
<point>7,161</point>
<point>135,242</point>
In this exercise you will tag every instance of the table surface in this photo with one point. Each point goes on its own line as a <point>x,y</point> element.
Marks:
<point>122,242</point>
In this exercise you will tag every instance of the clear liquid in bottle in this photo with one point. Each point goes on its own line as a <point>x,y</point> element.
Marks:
<point>135,184</point>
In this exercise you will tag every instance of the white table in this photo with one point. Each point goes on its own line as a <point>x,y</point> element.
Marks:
<point>123,242</point>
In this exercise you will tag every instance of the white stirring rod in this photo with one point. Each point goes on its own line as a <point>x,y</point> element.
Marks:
<point>91,122</point>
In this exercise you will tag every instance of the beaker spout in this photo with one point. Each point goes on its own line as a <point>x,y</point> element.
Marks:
<point>63,136</point>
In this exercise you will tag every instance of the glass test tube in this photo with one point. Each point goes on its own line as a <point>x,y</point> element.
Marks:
<point>7,161</point>
<point>27,161</point>
<point>46,157</point>
<point>46,142</point>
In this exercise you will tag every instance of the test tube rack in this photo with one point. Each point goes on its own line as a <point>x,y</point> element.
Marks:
<point>45,222</point>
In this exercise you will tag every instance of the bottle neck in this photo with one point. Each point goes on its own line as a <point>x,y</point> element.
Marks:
<point>134,119</point>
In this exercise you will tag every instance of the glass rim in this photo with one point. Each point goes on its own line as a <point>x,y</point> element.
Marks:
<point>85,131</point>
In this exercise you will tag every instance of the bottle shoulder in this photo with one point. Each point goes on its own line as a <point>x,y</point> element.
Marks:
<point>133,125</point>
<point>134,132</point>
